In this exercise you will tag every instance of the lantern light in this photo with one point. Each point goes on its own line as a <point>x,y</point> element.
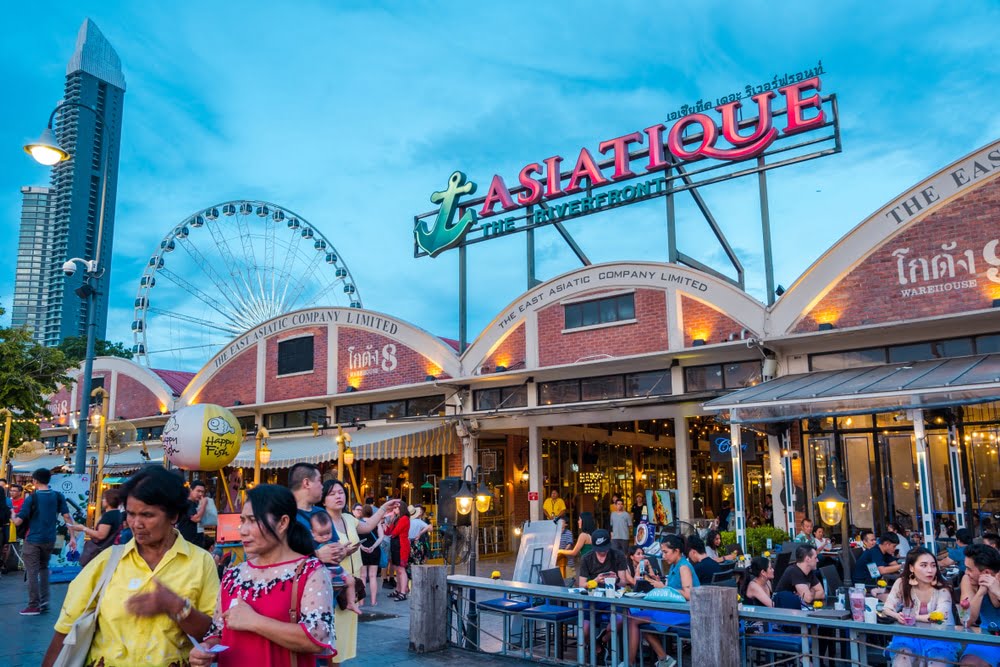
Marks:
<point>348,456</point>
<point>464,499</point>
<point>831,505</point>
<point>265,454</point>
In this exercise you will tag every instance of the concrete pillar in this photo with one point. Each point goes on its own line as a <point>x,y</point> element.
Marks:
<point>924,478</point>
<point>682,443</point>
<point>536,480</point>
<point>739,497</point>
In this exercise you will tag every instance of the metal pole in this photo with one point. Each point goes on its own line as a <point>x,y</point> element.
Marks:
<point>93,275</point>
<point>924,473</point>
<point>340,455</point>
<point>80,463</point>
<point>101,448</point>
<point>765,226</point>
<point>463,300</point>
<point>256,457</point>
<point>789,483</point>
<point>739,502</point>
<point>955,460</point>
<point>8,417</point>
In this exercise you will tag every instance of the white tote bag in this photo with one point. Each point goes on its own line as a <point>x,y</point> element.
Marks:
<point>76,644</point>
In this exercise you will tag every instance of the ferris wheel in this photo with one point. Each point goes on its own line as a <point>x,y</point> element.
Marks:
<point>226,269</point>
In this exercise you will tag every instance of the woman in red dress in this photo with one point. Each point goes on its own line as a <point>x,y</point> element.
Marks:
<point>399,552</point>
<point>256,597</point>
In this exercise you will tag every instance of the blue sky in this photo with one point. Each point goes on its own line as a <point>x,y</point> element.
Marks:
<point>351,114</point>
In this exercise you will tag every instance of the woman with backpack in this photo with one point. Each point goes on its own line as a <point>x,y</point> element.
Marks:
<point>105,533</point>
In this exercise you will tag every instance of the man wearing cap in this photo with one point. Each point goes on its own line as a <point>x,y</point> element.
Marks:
<point>603,562</point>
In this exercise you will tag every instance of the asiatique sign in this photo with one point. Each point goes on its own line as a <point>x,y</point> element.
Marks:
<point>716,134</point>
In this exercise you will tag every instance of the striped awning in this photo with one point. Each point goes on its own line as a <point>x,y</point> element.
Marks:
<point>373,442</point>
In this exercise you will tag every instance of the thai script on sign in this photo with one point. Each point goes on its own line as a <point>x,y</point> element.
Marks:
<point>371,360</point>
<point>946,271</point>
<point>747,92</point>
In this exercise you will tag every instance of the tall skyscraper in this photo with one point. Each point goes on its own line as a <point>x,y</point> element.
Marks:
<point>79,188</point>
<point>33,253</point>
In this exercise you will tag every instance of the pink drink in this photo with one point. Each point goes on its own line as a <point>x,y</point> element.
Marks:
<point>908,616</point>
<point>858,606</point>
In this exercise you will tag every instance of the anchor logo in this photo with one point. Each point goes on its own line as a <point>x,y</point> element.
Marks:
<point>447,233</point>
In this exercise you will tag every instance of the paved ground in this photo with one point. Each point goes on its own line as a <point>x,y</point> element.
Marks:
<point>25,638</point>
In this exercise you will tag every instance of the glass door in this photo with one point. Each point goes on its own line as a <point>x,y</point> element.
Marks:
<point>900,480</point>
<point>860,454</point>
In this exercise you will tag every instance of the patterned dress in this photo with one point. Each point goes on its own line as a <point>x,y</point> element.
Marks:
<point>268,591</point>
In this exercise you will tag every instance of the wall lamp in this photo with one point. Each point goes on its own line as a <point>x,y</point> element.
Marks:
<point>698,342</point>
<point>825,326</point>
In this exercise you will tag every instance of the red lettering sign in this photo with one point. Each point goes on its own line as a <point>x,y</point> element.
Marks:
<point>543,181</point>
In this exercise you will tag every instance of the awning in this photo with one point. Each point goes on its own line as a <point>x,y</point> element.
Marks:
<point>118,460</point>
<point>936,383</point>
<point>373,442</point>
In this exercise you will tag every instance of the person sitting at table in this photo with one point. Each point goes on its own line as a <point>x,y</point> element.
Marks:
<point>956,554</point>
<point>682,578</point>
<point>704,566</point>
<point>877,561</point>
<point>801,577</point>
<point>806,534</point>
<point>758,587</point>
<point>822,542</point>
<point>600,564</point>
<point>635,569</point>
<point>991,539</point>
<point>713,545</point>
<point>903,547</point>
<point>919,591</point>
<point>980,589</point>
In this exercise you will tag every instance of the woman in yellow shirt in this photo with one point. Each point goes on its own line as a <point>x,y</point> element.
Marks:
<point>162,590</point>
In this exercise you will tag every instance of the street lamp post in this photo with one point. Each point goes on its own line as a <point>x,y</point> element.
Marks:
<point>102,426</point>
<point>47,151</point>
<point>832,506</point>
<point>474,497</point>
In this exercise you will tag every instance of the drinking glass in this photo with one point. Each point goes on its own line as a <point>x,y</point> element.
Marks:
<point>908,616</point>
<point>963,616</point>
<point>609,583</point>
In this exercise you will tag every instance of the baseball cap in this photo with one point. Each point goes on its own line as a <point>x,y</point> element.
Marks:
<point>601,539</point>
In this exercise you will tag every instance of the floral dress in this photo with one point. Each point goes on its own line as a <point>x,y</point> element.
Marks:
<point>268,591</point>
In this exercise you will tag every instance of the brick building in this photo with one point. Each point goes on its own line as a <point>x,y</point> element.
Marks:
<point>609,379</point>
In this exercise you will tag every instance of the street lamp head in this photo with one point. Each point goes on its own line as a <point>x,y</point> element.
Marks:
<point>464,499</point>
<point>46,149</point>
<point>831,505</point>
<point>348,456</point>
<point>265,454</point>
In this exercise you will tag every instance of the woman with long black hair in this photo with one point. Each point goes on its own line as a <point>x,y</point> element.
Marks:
<point>279,580</point>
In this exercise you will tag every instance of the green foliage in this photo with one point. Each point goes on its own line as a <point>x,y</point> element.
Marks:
<point>757,538</point>
<point>75,349</point>
<point>28,373</point>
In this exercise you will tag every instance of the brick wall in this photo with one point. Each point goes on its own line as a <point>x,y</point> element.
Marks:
<point>60,403</point>
<point>454,465</point>
<point>873,292</point>
<point>133,399</point>
<point>647,334</point>
<point>705,322</point>
<point>236,381</point>
<point>510,352</point>
<point>299,384</point>
<point>410,366</point>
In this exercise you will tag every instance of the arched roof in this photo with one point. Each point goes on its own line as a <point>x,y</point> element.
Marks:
<point>904,211</point>
<point>413,337</point>
<point>672,278</point>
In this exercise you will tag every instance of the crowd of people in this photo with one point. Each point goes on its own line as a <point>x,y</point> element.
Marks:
<point>309,561</point>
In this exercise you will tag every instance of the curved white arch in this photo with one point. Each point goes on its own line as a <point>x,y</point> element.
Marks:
<point>671,278</point>
<point>858,244</point>
<point>149,379</point>
<point>417,339</point>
